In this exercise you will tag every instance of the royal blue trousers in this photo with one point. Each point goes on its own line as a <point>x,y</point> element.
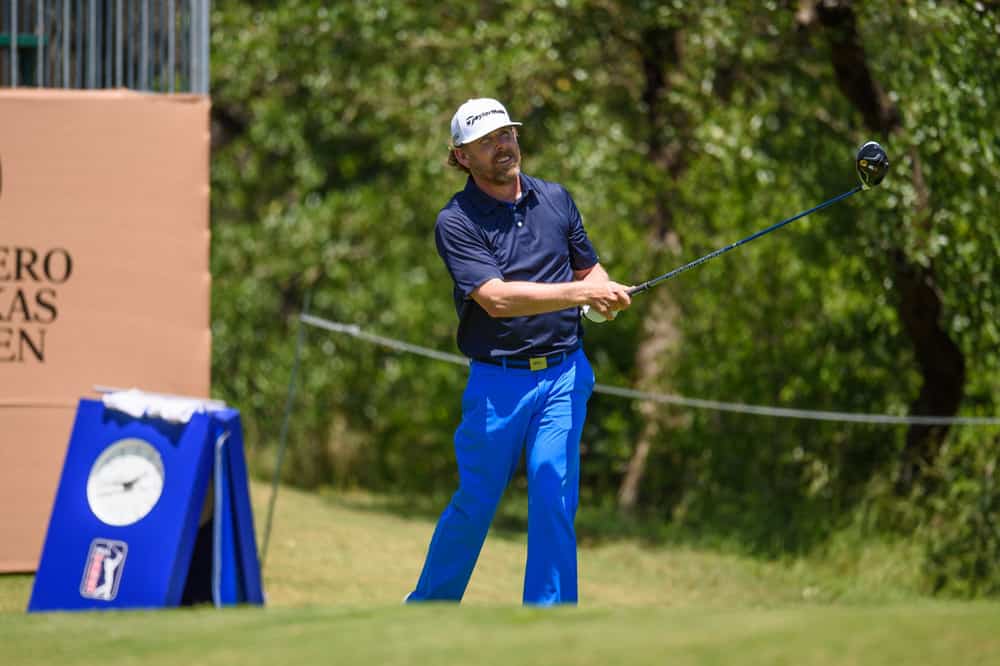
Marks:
<point>507,411</point>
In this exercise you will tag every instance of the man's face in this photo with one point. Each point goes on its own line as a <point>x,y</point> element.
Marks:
<point>495,158</point>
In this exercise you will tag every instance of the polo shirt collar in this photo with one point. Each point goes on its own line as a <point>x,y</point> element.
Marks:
<point>485,203</point>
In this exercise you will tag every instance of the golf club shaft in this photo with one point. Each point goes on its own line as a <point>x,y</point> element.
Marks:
<point>666,276</point>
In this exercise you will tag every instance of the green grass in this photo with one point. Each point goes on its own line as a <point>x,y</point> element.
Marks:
<point>339,565</point>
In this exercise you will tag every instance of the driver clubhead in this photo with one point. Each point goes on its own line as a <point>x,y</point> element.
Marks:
<point>872,164</point>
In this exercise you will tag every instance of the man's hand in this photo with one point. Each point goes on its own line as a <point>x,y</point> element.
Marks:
<point>608,298</point>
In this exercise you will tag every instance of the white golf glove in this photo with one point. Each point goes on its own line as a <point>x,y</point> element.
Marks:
<point>595,316</point>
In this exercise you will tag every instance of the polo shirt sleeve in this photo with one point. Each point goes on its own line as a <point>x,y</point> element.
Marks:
<point>582,254</point>
<point>466,255</point>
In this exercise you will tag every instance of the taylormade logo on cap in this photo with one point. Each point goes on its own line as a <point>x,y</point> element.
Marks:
<point>471,120</point>
<point>477,118</point>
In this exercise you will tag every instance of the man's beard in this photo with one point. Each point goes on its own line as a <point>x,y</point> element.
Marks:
<point>503,174</point>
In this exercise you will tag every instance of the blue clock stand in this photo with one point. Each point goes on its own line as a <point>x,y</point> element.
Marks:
<point>196,544</point>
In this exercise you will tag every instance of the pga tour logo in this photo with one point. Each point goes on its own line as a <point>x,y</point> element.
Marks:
<point>103,571</point>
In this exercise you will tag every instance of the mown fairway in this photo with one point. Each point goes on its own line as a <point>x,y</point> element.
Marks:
<point>338,568</point>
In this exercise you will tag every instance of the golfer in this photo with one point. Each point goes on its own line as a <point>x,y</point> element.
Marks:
<point>522,266</point>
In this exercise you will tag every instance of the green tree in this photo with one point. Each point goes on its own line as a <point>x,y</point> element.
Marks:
<point>678,129</point>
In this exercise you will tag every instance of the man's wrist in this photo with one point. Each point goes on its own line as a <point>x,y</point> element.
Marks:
<point>579,292</point>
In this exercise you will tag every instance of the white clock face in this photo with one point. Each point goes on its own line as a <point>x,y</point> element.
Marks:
<point>125,482</point>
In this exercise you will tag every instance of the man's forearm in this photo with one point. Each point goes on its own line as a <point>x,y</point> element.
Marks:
<point>521,299</point>
<point>595,273</point>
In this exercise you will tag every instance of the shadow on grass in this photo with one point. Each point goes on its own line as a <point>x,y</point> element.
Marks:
<point>595,525</point>
<point>765,533</point>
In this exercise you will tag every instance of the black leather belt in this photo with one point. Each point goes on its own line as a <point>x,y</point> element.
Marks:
<point>529,362</point>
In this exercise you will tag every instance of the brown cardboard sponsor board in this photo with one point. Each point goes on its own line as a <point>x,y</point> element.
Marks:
<point>104,279</point>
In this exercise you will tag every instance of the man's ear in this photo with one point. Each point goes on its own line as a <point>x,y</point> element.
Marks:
<point>462,158</point>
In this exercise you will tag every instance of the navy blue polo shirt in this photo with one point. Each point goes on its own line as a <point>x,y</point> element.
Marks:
<point>538,239</point>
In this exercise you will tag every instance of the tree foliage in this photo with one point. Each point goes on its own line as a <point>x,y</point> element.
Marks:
<point>330,127</point>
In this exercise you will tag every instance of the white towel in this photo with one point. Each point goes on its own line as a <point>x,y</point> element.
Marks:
<point>172,408</point>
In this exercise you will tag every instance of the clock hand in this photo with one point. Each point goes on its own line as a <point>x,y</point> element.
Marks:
<point>127,485</point>
<point>113,489</point>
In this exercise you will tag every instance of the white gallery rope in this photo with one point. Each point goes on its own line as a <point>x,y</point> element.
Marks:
<point>740,408</point>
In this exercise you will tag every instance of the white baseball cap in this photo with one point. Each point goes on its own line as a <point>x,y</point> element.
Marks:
<point>477,118</point>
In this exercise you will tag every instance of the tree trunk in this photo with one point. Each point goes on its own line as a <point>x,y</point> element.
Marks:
<point>660,342</point>
<point>661,53</point>
<point>941,362</point>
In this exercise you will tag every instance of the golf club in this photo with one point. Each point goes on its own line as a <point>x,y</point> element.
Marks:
<point>871,163</point>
